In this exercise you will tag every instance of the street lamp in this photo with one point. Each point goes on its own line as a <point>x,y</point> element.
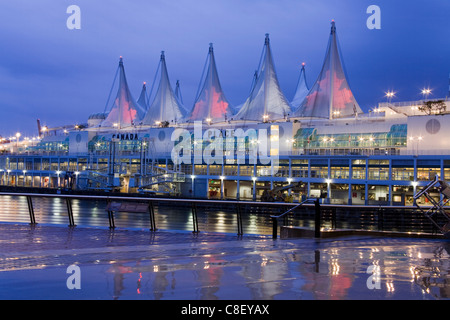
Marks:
<point>390,95</point>
<point>328,181</point>
<point>426,92</point>
<point>17,140</point>
<point>254,188</point>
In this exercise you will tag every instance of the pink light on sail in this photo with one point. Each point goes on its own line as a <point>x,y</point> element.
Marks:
<point>124,111</point>
<point>211,102</point>
<point>330,96</point>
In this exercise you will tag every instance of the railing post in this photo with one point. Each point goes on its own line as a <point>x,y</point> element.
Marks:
<point>70,212</point>
<point>194,218</point>
<point>111,219</point>
<point>31,210</point>
<point>317,219</point>
<point>110,215</point>
<point>380,219</point>
<point>239,220</point>
<point>152,216</point>
<point>275,227</point>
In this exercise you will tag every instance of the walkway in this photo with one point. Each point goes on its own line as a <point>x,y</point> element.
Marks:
<point>164,265</point>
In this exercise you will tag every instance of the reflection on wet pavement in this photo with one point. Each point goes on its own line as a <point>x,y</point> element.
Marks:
<point>181,266</point>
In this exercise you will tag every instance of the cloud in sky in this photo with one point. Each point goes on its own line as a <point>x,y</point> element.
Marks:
<point>62,76</point>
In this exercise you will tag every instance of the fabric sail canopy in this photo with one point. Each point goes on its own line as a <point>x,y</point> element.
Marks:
<point>124,112</point>
<point>142,101</point>
<point>266,100</point>
<point>179,98</point>
<point>165,106</point>
<point>330,96</point>
<point>211,104</point>
<point>302,89</point>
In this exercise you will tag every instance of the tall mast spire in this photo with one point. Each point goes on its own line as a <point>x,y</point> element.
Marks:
<point>142,101</point>
<point>124,112</point>
<point>266,100</point>
<point>330,97</point>
<point>302,89</point>
<point>211,104</point>
<point>165,106</point>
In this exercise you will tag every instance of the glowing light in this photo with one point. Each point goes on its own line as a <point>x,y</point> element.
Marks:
<point>426,91</point>
<point>390,94</point>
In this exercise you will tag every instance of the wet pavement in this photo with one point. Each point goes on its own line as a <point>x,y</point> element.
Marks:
<point>58,262</point>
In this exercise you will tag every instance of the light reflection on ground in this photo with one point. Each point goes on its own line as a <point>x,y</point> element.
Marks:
<point>177,266</point>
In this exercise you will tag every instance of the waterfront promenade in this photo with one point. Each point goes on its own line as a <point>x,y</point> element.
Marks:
<point>128,264</point>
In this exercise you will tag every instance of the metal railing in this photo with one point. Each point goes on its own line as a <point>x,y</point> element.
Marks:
<point>142,205</point>
<point>284,214</point>
<point>307,213</point>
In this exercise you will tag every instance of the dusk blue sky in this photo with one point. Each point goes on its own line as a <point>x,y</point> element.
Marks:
<point>62,76</point>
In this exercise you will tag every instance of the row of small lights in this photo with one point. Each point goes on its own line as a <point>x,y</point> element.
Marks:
<point>289,180</point>
<point>25,171</point>
<point>425,92</point>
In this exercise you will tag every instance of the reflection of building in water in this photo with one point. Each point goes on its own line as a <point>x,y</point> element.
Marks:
<point>118,271</point>
<point>333,271</point>
<point>433,274</point>
<point>209,278</point>
<point>329,277</point>
<point>264,274</point>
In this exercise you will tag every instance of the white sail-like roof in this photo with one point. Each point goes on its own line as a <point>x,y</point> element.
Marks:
<point>165,106</point>
<point>302,89</point>
<point>266,100</point>
<point>179,98</point>
<point>142,102</point>
<point>330,96</point>
<point>124,112</point>
<point>211,104</point>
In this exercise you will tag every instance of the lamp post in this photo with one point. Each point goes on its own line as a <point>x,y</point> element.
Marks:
<point>17,141</point>
<point>222,186</point>
<point>254,188</point>
<point>24,177</point>
<point>414,184</point>
<point>192,187</point>
<point>328,181</point>
<point>390,95</point>
<point>57,181</point>
<point>426,92</point>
